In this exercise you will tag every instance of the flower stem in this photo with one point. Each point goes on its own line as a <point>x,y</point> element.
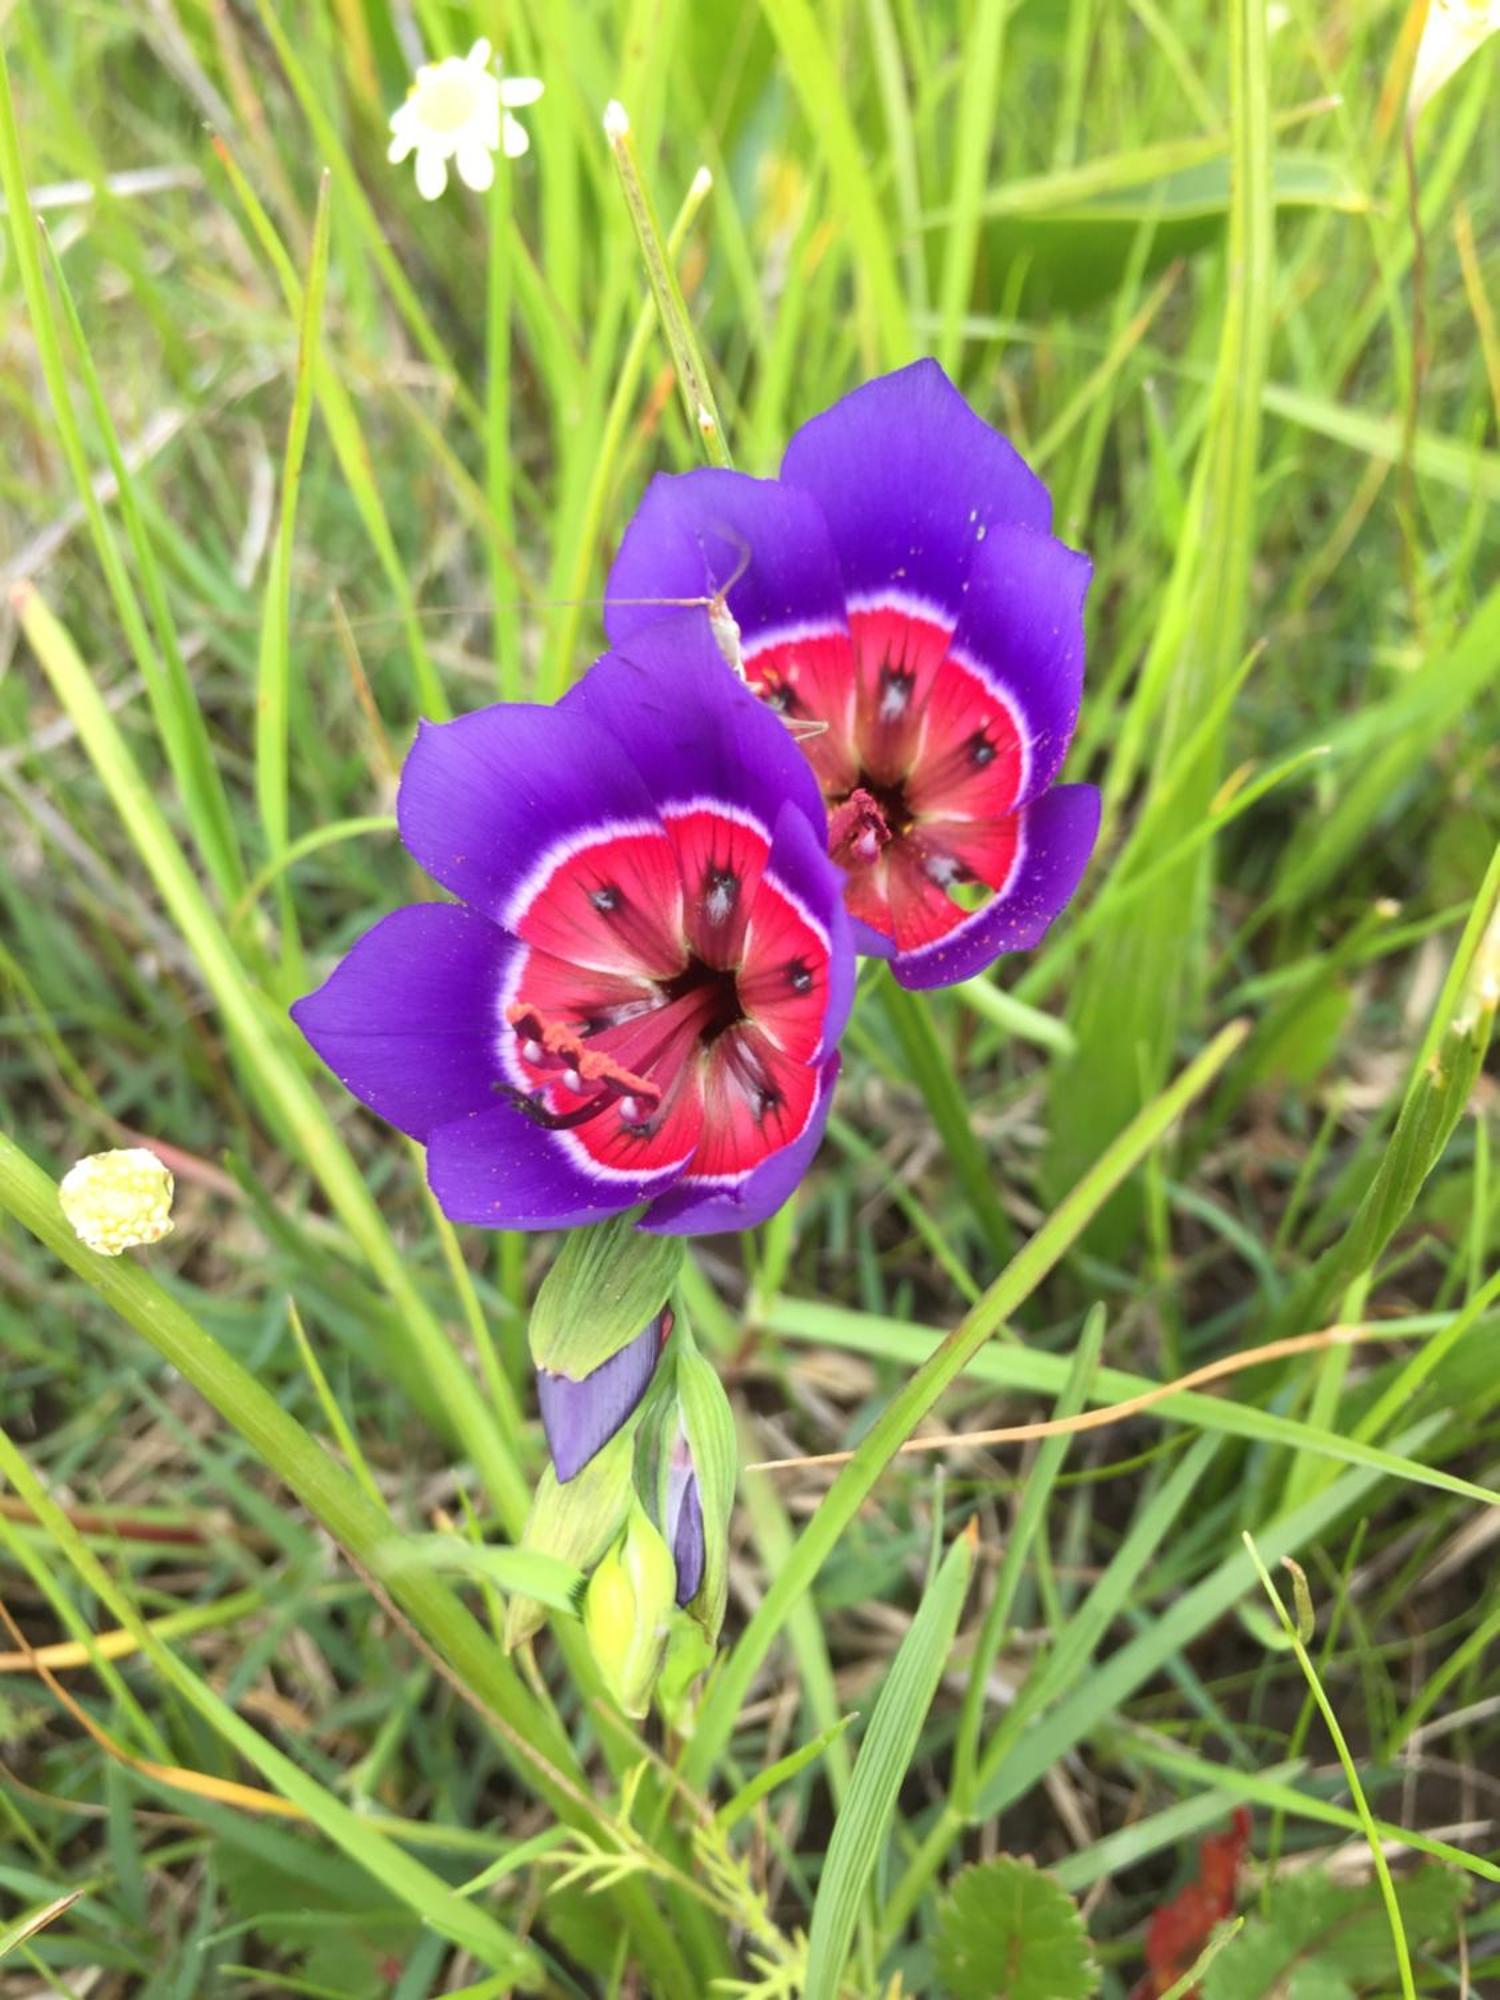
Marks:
<point>687,356</point>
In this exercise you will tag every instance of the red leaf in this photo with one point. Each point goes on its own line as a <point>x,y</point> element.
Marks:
<point>1181,1928</point>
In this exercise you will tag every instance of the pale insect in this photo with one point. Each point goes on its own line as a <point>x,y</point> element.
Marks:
<point>725,628</point>
<point>721,620</point>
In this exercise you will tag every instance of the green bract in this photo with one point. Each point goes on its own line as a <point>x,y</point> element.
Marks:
<point>708,1424</point>
<point>608,1283</point>
<point>574,1523</point>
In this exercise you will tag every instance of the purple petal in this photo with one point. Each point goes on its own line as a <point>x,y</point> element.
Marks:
<point>410,1020</point>
<point>911,482</point>
<point>498,1170</point>
<point>696,534</point>
<point>1021,629</point>
<point>1059,830</point>
<point>691,727</point>
<point>869,942</point>
<point>484,799</point>
<point>581,1417</point>
<point>689,1549</point>
<point>799,860</point>
<point>696,1208</point>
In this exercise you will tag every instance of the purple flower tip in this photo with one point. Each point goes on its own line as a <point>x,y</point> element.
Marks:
<point>688,1543</point>
<point>580,1417</point>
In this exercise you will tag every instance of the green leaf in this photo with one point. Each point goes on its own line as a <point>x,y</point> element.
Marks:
<point>428,1361</point>
<point>1006,1931</point>
<point>857,201</point>
<point>884,1758</point>
<point>1318,1939</point>
<point>400,1873</point>
<point>1447,1070</point>
<point>784,1769</point>
<point>608,1284</point>
<point>542,1577</point>
<point>537,1744</point>
<point>1075,251</point>
<point>1302,1037</point>
<point>911,1016</point>
<point>169,687</point>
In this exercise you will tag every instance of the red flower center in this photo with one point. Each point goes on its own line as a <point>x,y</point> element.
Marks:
<point>920,761</point>
<point>668,1010</point>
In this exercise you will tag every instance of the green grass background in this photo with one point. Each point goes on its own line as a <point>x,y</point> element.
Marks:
<point>292,458</point>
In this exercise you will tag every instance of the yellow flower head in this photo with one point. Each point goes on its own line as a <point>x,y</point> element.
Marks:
<point>118,1200</point>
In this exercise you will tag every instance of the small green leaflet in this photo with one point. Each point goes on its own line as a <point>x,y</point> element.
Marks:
<point>1006,1931</point>
<point>1322,1940</point>
<point>543,1577</point>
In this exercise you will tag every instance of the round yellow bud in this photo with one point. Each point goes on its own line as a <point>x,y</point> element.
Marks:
<point>626,1609</point>
<point>117,1200</point>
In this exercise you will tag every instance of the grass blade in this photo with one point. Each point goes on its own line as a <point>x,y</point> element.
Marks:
<point>534,1741</point>
<point>475,1929</point>
<point>911,1018</point>
<point>174,706</point>
<point>273,679</point>
<point>1128,1004</point>
<point>815,79</point>
<point>884,1757</point>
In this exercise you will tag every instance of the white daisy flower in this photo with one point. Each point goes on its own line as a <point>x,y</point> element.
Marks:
<point>459,110</point>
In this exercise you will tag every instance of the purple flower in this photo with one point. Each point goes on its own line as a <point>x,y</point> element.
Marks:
<point>900,595</point>
<point>639,995</point>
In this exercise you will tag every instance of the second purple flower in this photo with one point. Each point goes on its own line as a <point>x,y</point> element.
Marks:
<point>902,600</point>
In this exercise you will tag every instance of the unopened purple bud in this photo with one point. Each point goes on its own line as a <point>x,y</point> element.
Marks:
<point>688,1548</point>
<point>684,1522</point>
<point>580,1417</point>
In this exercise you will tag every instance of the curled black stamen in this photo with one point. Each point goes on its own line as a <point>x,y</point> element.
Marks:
<point>530,1106</point>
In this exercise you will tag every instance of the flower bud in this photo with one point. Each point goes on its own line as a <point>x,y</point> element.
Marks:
<point>581,1415</point>
<point>117,1200</point>
<point>627,1609</point>
<point>596,1334</point>
<point>575,1522</point>
<point>697,1488</point>
<point>684,1520</point>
